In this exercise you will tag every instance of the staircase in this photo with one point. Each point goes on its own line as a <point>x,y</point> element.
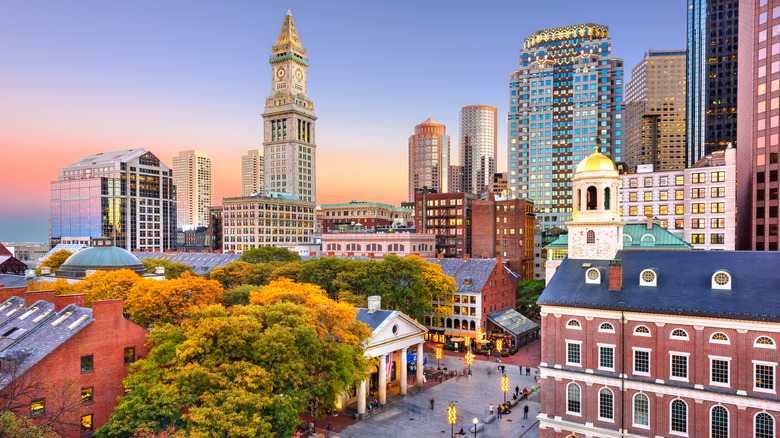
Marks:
<point>391,400</point>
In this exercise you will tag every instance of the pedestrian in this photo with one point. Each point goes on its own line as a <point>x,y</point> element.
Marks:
<point>330,431</point>
<point>527,371</point>
<point>499,412</point>
<point>432,402</point>
<point>462,432</point>
<point>517,390</point>
<point>525,411</point>
<point>491,409</point>
<point>525,393</point>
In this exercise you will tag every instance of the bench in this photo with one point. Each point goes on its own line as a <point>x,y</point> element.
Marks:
<point>490,418</point>
<point>514,402</point>
<point>477,428</point>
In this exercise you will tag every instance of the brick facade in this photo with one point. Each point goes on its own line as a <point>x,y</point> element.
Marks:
<point>504,229</point>
<point>448,217</point>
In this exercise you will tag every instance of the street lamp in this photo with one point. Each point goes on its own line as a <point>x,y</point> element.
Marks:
<point>504,385</point>
<point>452,418</point>
<point>499,344</point>
<point>475,421</point>
<point>438,356</point>
<point>469,360</point>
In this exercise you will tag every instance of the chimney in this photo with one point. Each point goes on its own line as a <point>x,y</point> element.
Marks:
<point>439,256</point>
<point>374,303</point>
<point>616,274</point>
<point>62,301</point>
<point>107,309</point>
<point>159,270</point>
<point>649,220</point>
<point>466,257</point>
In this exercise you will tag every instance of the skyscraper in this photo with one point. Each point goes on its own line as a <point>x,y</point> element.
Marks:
<point>192,178</point>
<point>478,146</point>
<point>289,142</point>
<point>712,77</point>
<point>759,126</point>
<point>429,158</point>
<point>655,112</point>
<point>565,102</point>
<point>252,173</point>
<point>126,195</point>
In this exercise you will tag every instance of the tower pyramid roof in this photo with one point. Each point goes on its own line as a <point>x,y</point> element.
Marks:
<point>288,40</point>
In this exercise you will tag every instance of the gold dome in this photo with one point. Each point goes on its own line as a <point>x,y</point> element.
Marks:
<point>596,162</point>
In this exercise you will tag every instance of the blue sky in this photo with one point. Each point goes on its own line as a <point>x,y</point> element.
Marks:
<point>78,77</point>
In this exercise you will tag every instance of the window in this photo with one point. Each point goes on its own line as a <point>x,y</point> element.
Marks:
<point>606,327</point>
<point>573,399</point>
<point>663,181</point>
<point>86,395</point>
<point>574,324</point>
<point>721,280</point>
<point>632,210</point>
<point>87,364</point>
<point>698,193</point>
<point>719,371</point>
<point>718,176</point>
<point>86,423</point>
<point>641,410</point>
<point>663,209</point>
<point>679,194</point>
<point>632,183</point>
<point>607,357</point>
<point>648,210</point>
<point>38,407</point>
<point>129,355</point>
<point>698,208</point>
<point>648,196</point>
<point>764,376</point>
<point>642,361</point>
<point>717,223</point>
<point>697,178</point>
<point>648,181</point>
<point>591,236</point>
<point>679,417</point>
<point>718,207</point>
<point>697,238</point>
<point>593,276</point>
<point>679,180</point>
<point>719,422</point>
<point>663,195</point>
<point>648,278</point>
<point>605,404</point>
<point>765,426</point>
<point>679,334</point>
<point>573,353</point>
<point>764,342</point>
<point>632,197</point>
<point>718,192</point>
<point>719,338</point>
<point>641,330</point>
<point>679,366</point>
<point>679,209</point>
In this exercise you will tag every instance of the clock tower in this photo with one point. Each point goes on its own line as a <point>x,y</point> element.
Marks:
<point>288,120</point>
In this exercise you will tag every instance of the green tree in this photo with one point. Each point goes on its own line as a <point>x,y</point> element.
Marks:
<point>232,274</point>
<point>54,261</point>
<point>172,269</point>
<point>239,295</point>
<point>266,254</point>
<point>19,426</point>
<point>526,295</point>
<point>323,271</point>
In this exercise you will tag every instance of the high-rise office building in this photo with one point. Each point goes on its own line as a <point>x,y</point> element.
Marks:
<point>565,102</point>
<point>126,195</point>
<point>655,112</point>
<point>289,147</point>
<point>759,126</point>
<point>711,77</point>
<point>252,173</point>
<point>192,178</point>
<point>455,179</point>
<point>478,146</point>
<point>429,158</point>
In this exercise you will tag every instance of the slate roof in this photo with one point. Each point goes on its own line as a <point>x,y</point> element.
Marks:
<point>684,284</point>
<point>512,321</point>
<point>8,280</point>
<point>662,238</point>
<point>200,263</point>
<point>476,270</point>
<point>375,320</point>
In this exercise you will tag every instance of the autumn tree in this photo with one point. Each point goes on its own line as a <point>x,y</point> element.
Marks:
<point>106,285</point>
<point>323,271</point>
<point>239,295</point>
<point>172,269</point>
<point>232,274</point>
<point>154,303</point>
<point>266,254</point>
<point>54,261</point>
<point>60,286</point>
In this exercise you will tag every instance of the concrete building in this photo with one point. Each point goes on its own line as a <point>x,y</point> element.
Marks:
<point>27,252</point>
<point>565,102</point>
<point>214,230</point>
<point>274,219</point>
<point>498,188</point>
<point>377,245</point>
<point>700,202</point>
<point>289,143</point>
<point>478,146</point>
<point>711,82</point>
<point>505,230</point>
<point>655,112</point>
<point>126,195</point>
<point>252,173</point>
<point>429,158</point>
<point>655,343</point>
<point>192,178</point>
<point>759,118</point>
<point>448,217</point>
<point>455,179</point>
<point>367,214</point>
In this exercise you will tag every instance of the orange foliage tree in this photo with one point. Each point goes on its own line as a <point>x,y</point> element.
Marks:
<point>154,302</point>
<point>60,286</point>
<point>107,285</point>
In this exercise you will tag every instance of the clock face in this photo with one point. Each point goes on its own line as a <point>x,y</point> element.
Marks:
<point>280,73</point>
<point>298,75</point>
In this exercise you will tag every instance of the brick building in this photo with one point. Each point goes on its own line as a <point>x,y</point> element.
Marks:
<point>448,217</point>
<point>10,264</point>
<point>367,214</point>
<point>214,231</point>
<point>504,229</point>
<point>372,244</point>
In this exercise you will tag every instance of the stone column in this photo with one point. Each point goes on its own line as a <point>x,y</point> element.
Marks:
<point>403,370</point>
<point>382,379</point>
<point>361,394</point>
<point>420,364</point>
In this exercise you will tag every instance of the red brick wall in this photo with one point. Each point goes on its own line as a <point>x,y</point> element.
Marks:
<point>483,230</point>
<point>498,292</point>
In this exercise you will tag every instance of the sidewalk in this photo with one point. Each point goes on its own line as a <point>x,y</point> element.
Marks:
<point>528,356</point>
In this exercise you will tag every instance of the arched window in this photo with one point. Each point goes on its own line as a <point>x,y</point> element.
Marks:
<point>678,421</point>
<point>449,323</point>
<point>719,338</point>
<point>606,198</point>
<point>592,203</point>
<point>606,409</point>
<point>765,425</point>
<point>764,342</point>
<point>719,422</point>
<point>606,327</point>
<point>457,324</point>
<point>579,200</point>
<point>428,320</point>
<point>573,323</point>
<point>641,330</point>
<point>721,280</point>
<point>679,334</point>
<point>641,410</point>
<point>464,325</point>
<point>591,236</point>
<point>573,398</point>
<point>472,326</point>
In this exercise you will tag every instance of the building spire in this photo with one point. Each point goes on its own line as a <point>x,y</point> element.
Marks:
<point>288,40</point>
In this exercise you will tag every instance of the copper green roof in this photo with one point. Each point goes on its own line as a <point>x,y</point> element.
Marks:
<point>102,256</point>
<point>637,236</point>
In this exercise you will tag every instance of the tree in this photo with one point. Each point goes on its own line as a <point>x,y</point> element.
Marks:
<point>155,303</point>
<point>266,254</point>
<point>60,286</point>
<point>239,295</point>
<point>19,426</point>
<point>232,274</point>
<point>323,271</point>
<point>172,269</point>
<point>106,285</point>
<point>54,261</point>
<point>527,293</point>
<point>289,270</point>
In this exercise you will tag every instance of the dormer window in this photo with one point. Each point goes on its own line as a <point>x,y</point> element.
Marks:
<point>593,276</point>
<point>648,277</point>
<point>721,280</point>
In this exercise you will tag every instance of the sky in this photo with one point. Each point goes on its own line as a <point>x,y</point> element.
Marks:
<point>87,76</point>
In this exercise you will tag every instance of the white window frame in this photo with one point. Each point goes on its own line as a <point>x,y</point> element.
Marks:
<point>726,286</point>
<point>574,327</point>
<point>647,335</point>
<point>642,281</point>
<point>687,418</point>
<point>755,417</point>
<point>596,280</point>
<point>681,338</point>
<point>633,411</point>
<point>728,418</point>
<point>718,341</point>
<point>598,406</point>
<point>607,330</point>
<point>687,366</point>
<point>757,345</point>
<point>571,342</point>
<point>578,414</point>
<point>728,374</point>
<point>633,361</point>
<point>611,346</point>
<point>774,377</point>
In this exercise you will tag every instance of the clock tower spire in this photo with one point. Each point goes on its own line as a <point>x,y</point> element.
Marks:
<point>288,142</point>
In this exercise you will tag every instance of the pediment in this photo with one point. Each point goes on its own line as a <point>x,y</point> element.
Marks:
<point>397,327</point>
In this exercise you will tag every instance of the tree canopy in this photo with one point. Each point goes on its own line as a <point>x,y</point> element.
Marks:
<point>155,303</point>
<point>266,254</point>
<point>172,269</point>
<point>54,261</point>
<point>527,293</point>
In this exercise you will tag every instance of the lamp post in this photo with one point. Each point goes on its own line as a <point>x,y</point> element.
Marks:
<point>438,356</point>
<point>452,418</point>
<point>499,344</point>
<point>469,360</point>
<point>475,421</point>
<point>504,385</point>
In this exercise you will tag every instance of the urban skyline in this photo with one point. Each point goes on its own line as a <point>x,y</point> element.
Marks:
<point>97,83</point>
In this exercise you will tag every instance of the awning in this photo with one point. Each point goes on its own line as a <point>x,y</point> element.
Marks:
<point>458,339</point>
<point>512,322</point>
